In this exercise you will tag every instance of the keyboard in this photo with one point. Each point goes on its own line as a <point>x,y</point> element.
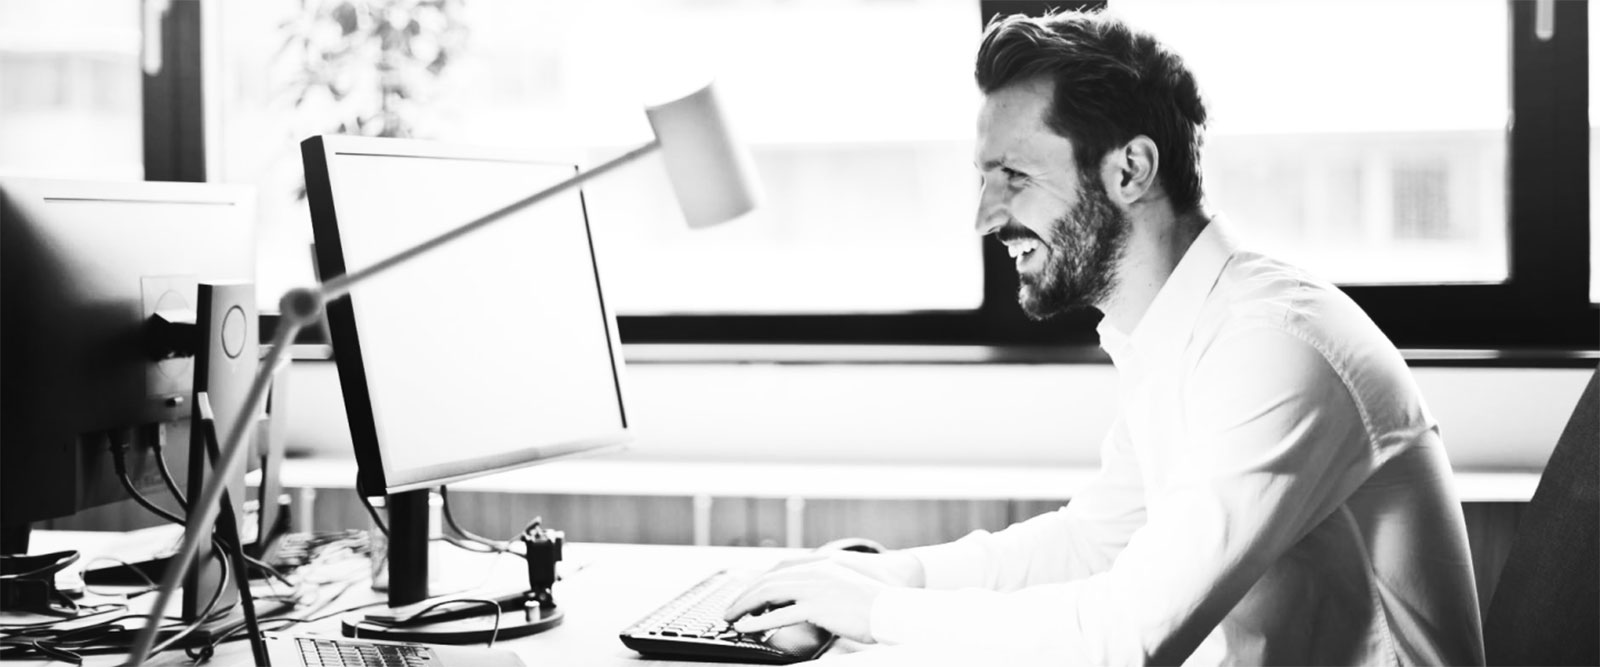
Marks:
<point>317,652</point>
<point>691,626</point>
<point>311,651</point>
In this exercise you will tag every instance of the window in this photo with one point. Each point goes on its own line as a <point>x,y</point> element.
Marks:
<point>1479,228</point>
<point>1381,164</point>
<point>70,89</point>
<point>858,115</point>
<point>1369,142</point>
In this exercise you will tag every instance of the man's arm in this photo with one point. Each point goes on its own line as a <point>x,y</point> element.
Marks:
<point>1070,543</point>
<point>1277,444</point>
<point>1274,443</point>
<point>1074,542</point>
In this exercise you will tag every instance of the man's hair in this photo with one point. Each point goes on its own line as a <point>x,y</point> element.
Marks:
<point>1112,83</point>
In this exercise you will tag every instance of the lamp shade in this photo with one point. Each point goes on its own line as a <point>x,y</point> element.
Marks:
<point>711,173</point>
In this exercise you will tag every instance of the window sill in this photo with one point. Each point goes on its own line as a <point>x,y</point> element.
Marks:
<point>1022,355</point>
<point>814,481</point>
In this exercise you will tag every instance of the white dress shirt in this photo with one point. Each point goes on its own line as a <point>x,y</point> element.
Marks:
<point>1272,491</point>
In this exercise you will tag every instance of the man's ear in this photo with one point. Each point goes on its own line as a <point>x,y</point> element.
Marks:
<point>1132,170</point>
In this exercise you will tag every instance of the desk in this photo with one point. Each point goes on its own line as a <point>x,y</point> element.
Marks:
<point>609,586</point>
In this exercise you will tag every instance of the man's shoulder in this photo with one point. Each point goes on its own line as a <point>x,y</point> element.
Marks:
<point>1256,290</point>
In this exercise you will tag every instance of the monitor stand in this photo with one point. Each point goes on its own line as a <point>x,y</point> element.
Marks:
<point>520,613</point>
<point>14,536</point>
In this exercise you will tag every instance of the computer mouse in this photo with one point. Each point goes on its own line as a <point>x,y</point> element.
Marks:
<point>802,641</point>
<point>860,544</point>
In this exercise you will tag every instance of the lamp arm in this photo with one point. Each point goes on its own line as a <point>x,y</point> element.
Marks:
<point>299,309</point>
<point>204,508</point>
<point>340,285</point>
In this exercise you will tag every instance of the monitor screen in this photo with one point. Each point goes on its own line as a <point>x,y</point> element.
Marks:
<point>489,353</point>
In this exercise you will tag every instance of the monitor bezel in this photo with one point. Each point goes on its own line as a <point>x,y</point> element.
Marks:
<point>372,476</point>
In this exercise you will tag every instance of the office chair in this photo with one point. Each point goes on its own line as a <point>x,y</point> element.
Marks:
<point>1546,608</point>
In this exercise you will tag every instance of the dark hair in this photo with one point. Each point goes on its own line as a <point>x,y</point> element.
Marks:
<point>1112,83</point>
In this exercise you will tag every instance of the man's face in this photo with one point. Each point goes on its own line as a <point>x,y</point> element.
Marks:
<point>1059,225</point>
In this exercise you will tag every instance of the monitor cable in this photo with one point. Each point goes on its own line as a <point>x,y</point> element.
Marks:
<point>119,462</point>
<point>220,550</point>
<point>488,545</point>
<point>158,443</point>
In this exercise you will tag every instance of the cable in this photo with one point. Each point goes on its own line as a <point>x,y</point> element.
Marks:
<point>166,473</point>
<point>270,570</point>
<point>444,495</point>
<point>139,497</point>
<point>57,564</point>
<point>177,495</point>
<point>120,463</point>
<point>51,642</point>
<point>284,623</point>
<point>493,634</point>
<point>96,610</point>
<point>494,545</point>
<point>205,616</point>
<point>47,650</point>
<point>150,584</point>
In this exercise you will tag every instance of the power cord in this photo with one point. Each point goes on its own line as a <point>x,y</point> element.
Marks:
<point>494,546</point>
<point>120,463</point>
<point>158,444</point>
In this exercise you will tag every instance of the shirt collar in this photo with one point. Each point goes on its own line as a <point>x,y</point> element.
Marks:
<point>1169,321</point>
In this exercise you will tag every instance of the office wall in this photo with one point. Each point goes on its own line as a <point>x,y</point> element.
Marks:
<point>1492,419</point>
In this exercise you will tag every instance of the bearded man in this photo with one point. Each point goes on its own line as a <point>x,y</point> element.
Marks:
<point>1273,489</point>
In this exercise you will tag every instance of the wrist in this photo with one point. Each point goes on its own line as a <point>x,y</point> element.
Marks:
<point>908,569</point>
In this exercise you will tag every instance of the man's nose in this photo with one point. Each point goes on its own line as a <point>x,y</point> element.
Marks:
<point>992,209</point>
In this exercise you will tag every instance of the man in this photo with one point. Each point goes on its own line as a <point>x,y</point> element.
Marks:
<point>1273,490</point>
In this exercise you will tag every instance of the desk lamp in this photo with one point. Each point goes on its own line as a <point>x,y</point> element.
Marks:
<point>714,183</point>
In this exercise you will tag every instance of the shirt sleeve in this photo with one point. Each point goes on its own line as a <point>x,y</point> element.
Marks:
<point>1273,443</point>
<point>1070,543</point>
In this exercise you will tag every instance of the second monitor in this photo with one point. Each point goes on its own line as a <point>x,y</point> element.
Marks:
<point>491,353</point>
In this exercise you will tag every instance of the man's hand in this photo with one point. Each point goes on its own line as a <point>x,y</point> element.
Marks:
<point>833,591</point>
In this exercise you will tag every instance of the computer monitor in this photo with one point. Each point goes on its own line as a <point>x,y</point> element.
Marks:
<point>85,269</point>
<point>494,352</point>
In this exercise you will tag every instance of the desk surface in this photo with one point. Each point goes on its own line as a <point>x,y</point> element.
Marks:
<point>606,588</point>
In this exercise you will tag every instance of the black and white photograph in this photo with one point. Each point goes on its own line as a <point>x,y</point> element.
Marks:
<point>859,332</point>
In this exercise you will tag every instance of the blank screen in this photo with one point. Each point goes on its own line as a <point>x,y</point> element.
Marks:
<point>487,353</point>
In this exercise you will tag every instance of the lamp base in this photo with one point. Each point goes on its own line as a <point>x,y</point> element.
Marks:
<point>460,625</point>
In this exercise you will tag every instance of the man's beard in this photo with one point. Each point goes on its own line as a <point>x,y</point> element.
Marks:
<point>1085,246</point>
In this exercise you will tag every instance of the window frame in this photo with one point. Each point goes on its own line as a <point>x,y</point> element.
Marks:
<point>1543,304</point>
<point>1540,316</point>
<point>174,107</point>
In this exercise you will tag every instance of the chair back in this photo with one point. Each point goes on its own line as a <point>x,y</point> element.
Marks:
<point>1546,606</point>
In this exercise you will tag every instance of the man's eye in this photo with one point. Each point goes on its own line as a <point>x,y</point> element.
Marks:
<point>1012,174</point>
